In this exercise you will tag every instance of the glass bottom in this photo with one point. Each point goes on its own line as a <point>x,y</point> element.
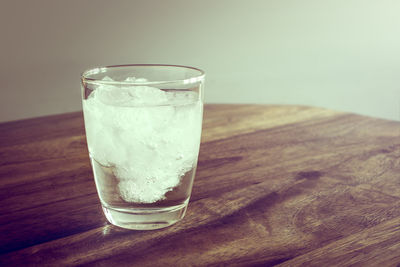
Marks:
<point>145,218</point>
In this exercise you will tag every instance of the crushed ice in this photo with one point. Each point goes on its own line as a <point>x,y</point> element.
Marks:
<point>150,137</point>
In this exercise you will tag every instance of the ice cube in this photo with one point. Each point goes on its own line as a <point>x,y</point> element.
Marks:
<point>130,79</point>
<point>141,80</point>
<point>108,79</point>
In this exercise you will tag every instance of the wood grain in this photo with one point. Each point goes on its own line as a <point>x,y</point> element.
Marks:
<point>275,185</point>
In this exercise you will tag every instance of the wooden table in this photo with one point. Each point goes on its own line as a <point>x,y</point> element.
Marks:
<point>285,185</point>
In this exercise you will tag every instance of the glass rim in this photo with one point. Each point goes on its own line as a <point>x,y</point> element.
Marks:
<point>96,70</point>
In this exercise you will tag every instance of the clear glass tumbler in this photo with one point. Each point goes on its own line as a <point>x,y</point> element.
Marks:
<point>143,128</point>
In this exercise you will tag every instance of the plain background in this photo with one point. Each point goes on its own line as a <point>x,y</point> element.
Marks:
<point>338,54</point>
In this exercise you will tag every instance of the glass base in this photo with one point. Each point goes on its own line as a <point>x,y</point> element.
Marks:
<point>145,219</point>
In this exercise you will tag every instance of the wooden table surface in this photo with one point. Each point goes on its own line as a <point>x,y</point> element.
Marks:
<point>276,185</point>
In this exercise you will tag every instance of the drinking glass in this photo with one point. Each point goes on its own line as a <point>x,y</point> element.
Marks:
<point>143,128</point>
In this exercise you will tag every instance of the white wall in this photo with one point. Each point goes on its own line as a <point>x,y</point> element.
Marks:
<point>340,54</point>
